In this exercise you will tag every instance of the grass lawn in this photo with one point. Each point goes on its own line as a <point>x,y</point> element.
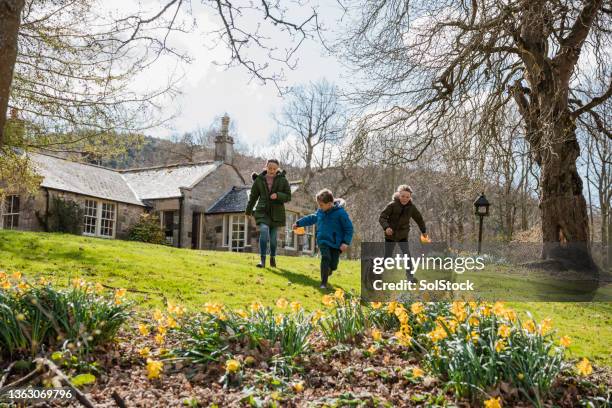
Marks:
<point>192,278</point>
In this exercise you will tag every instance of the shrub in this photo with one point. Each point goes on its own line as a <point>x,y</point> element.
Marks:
<point>147,229</point>
<point>291,332</point>
<point>42,318</point>
<point>63,216</point>
<point>346,321</point>
<point>476,347</point>
<point>204,339</point>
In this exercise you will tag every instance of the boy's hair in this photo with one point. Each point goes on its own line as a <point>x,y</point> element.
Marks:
<point>404,187</point>
<point>275,161</point>
<point>325,196</point>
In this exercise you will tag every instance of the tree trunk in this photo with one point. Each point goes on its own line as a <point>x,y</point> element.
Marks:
<point>565,223</point>
<point>10,18</point>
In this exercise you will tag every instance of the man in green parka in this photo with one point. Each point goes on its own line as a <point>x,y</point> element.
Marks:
<point>270,191</point>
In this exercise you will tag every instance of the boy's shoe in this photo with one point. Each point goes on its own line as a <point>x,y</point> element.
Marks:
<point>273,262</point>
<point>323,286</point>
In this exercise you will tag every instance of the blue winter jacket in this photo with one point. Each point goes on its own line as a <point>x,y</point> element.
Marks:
<point>334,227</point>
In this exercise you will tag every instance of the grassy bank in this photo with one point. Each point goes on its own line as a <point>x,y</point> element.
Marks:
<point>153,273</point>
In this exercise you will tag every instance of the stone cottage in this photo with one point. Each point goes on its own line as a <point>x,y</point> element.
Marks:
<point>199,205</point>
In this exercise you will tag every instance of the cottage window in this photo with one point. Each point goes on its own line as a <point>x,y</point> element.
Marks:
<point>235,232</point>
<point>10,216</point>
<point>290,237</point>
<point>99,218</point>
<point>107,221</point>
<point>168,225</point>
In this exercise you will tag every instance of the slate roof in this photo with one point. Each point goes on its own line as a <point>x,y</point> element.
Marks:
<point>81,178</point>
<point>127,186</point>
<point>166,181</point>
<point>234,201</point>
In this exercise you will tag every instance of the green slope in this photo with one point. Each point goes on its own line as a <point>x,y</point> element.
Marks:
<point>192,278</point>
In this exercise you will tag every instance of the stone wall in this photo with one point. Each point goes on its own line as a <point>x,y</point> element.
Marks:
<point>201,197</point>
<point>35,206</point>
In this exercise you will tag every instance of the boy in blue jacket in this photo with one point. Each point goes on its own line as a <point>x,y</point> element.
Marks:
<point>334,231</point>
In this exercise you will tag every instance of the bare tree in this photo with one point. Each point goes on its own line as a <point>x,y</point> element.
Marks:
<point>66,67</point>
<point>427,62</point>
<point>313,118</point>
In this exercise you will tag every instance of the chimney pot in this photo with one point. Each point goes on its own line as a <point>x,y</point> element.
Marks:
<point>224,143</point>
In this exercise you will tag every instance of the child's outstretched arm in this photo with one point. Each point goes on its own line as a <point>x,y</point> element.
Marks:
<point>418,218</point>
<point>307,220</point>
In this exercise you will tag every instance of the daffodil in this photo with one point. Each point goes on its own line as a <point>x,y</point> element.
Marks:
<point>242,313</point>
<point>298,386</point>
<point>143,329</point>
<point>403,338</point>
<point>510,314</point>
<point>584,367</point>
<point>474,336</point>
<point>504,331</point>
<point>417,308</point>
<point>158,315</point>
<point>144,352</point>
<point>16,275</point>
<point>376,335</point>
<point>493,403</point>
<point>417,372</point>
<point>565,341</point>
<point>529,326</point>
<point>295,306</point>
<point>437,334</point>
<point>281,303</point>
<point>327,300</point>
<point>119,293</point>
<point>256,306</point>
<point>317,315</point>
<point>500,346</point>
<point>499,309</point>
<point>376,305</point>
<point>474,320</point>
<point>5,284</point>
<point>339,294</point>
<point>160,338</point>
<point>154,368</point>
<point>545,326</point>
<point>278,319</point>
<point>171,323</point>
<point>372,349</point>
<point>232,366</point>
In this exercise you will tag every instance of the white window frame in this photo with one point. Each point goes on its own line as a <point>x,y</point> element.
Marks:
<point>4,212</point>
<point>98,217</point>
<point>228,231</point>
<point>289,231</point>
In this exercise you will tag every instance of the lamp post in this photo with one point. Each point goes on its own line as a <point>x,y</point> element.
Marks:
<point>482,210</point>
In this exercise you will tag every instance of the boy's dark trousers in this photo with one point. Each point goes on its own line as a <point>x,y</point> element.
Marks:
<point>403,244</point>
<point>329,261</point>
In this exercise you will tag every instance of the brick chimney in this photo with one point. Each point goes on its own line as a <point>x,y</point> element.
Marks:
<point>224,143</point>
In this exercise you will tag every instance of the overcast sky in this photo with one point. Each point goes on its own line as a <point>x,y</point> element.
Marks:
<point>209,90</point>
